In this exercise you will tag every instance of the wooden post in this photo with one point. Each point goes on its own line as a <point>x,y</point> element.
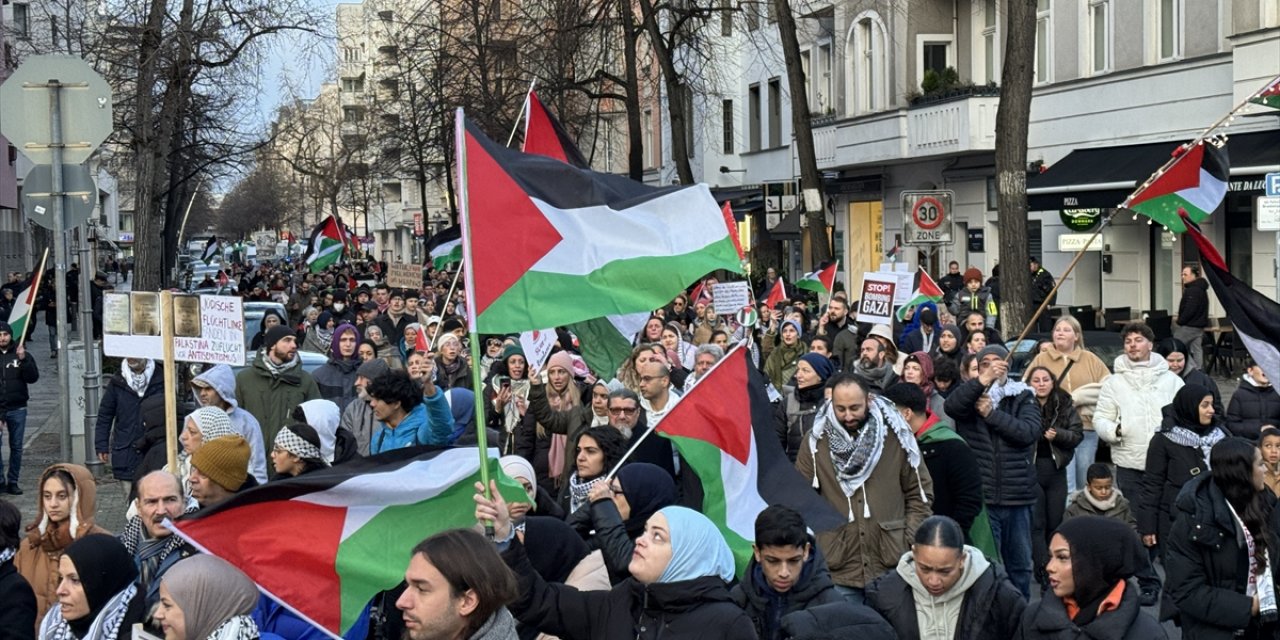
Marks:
<point>170,380</point>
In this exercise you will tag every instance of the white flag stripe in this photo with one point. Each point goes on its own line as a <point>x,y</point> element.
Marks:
<point>742,493</point>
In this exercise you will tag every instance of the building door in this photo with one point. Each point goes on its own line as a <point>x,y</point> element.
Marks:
<point>1162,244</point>
<point>865,250</point>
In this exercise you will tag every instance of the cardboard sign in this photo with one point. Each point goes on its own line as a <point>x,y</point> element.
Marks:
<point>404,276</point>
<point>878,293</point>
<point>731,295</point>
<point>221,338</point>
<point>537,346</point>
<point>208,329</point>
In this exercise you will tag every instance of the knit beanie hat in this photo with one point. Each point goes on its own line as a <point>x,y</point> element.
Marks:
<point>451,324</point>
<point>212,423</point>
<point>274,335</point>
<point>972,273</point>
<point>512,349</point>
<point>561,359</point>
<point>993,350</point>
<point>794,325</point>
<point>5,328</point>
<point>373,368</point>
<point>821,364</point>
<point>224,461</point>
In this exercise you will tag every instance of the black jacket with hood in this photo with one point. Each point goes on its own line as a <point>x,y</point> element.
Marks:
<point>991,607</point>
<point>1251,407</point>
<point>1047,620</point>
<point>813,588</point>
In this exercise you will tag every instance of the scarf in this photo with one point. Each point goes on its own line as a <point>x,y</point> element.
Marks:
<point>138,381</point>
<point>1260,582</point>
<point>277,369</point>
<point>1102,505</point>
<point>578,491</point>
<point>104,627</point>
<point>854,458</point>
<point>1188,438</point>
<point>236,628</point>
<point>1007,389</point>
<point>565,400</point>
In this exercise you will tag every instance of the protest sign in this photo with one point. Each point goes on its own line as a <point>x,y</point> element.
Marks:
<point>729,296</point>
<point>878,293</point>
<point>404,276</point>
<point>537,346</point>
<point>221,338</point>
<point>207,329</point>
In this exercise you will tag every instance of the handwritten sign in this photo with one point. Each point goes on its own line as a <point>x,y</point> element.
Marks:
<point>208,329</point>
<point>730,296</point>
<point>404,276</point>
<point>221,339</point>
<point>537,346</point>
<point>877,302</point>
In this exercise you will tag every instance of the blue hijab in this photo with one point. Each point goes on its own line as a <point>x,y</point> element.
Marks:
<point>697,548</point>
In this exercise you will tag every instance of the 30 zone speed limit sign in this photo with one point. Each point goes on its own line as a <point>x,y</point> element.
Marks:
<point>927,217</point>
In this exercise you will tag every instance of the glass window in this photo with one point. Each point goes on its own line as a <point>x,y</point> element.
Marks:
<point>989,41</point>
<point>1100,36</point>
<point>1170,29</point>
<point>1044,42</point>
<point>21,20</point>
<point>753,118</point>
<point>752,9</point>
<point>726,17</point>
<point>726,124</point>
<point>775,113</point>
<point>935,57</point>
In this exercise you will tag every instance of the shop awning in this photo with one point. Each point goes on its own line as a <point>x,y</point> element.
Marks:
<point>1102,177</point>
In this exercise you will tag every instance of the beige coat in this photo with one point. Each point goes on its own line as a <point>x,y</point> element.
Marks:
<point>589,574</point>
<point>1088,369</point>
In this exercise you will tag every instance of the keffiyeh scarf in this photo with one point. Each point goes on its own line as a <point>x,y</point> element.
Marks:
<point>7,554</point>
<point>138,382</point>
<point>293,443</point>
<point>579,491</point>
<point>277,369</point>
<point>237,628</point>
<point>1188,438</point>
<point>105,627</point>
<point>854,457</point>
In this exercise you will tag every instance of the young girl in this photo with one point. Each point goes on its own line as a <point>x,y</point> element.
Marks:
<point>1270,446</point>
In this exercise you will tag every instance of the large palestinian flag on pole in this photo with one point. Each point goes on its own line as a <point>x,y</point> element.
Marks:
<point>326,245</point>
<point>549,244</point>
<point>445,247</point>
<point>724,430</point>
<point>325,543</point>
<point>1252,314</point>
<point>1195,183</point>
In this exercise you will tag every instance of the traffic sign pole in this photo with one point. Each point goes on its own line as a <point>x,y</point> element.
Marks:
<point>60,261</point>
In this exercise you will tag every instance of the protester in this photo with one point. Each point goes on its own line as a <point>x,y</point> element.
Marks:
<point>704,358</point>
<point>540,501</point>
<point>206,598</point>
<point>64,514</point>
<point>1254,403</point>
<point>154,547</point>
<point>559,555</point>
<point>862,457</point>
<point>219,470</point>
<point>452,370</point>
<point>952,282</point>
<point>1129,406</point>
<point>17,600</point>
<point>275,383</point>
<point>801,399</point>
<point>506,409</point>
<point>922,333</point>
<point>336,377</point>
<point>17,371</point>
<point>917,369</point>
<point>216,387</point>
<point>627,415</point>
<point>548,443</point>
<point>1178,356</point>
<point>874,366</point>
<point>297,451</point>
<point>119,422</point>
<point>1222,536</point>
<point>270,318</point>
<point>201,426</point>
<point>458,589</point>
<point>949,345</point>
<point>680,352</point>
<point>1269,445</point>
<point>1193,312</point>
<point>1000,420</point>
<point>97,597</point>
<point>783,358</point>
<point>358,417</point>
<point>337,445</point>
<point>944,589</point>
<point>1100,497</point>
<point>318,338</point>
<point>1061,434</point>
<point>657,393</point>
<point>1092,561</point>
<point>619,510</point>
<point>404,418</point>
<point>596,451</point>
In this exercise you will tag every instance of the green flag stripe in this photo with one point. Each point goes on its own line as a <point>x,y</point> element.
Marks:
<point>705,459</point>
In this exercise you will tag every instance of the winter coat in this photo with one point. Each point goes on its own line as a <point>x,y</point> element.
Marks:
<point>812,588</point>
<point>983,604</point>
<point>781,363</point>
<point>336,380</point>
<point>15,375</point>
<point>1206,566</point>
<point>1047,620</point>
<point>17,605</point>
<point>1086,368</point>
<point>1129,409</point>
<point>119,422</point>
<point>242,422</point>
<point>1079,505</point>
<point>1193,308</point>
<point>836,620</point>
<point>359,420</point>
<point>897,497</point>
<point>1251,407</point>
<point>429,423</point>
<point>1041,285</point>
<point>797,420</point>
<point>957,478</point>
<point>1004,442</point>
<point>845,346</point>
<point>460,379</point>
<point>271,399</point>
<point>569,422</point>
<point>984,301</point>
<point>1070,431</point>
<point>39,553</point>
<point>1169,467</point>
<point>698,609</point>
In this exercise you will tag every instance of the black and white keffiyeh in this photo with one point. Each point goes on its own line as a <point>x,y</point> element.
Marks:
<point>579,491</point>
<point>1188,438</point>
<point>855,457</point>
<point>7,554</point>
<point>236,628</point>
<point>105,627</point>
<point>293,443</point>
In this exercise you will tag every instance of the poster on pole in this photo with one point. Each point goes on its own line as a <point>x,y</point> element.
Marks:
<point>877,302</point>
<point>115,313</point>
<point>208,329</point>
<point>537,346</point>
<point>728,296</point>
<point>404,276</point>
<point>221,334</point>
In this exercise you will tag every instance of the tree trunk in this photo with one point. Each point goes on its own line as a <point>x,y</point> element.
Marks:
<point>635,131</point>
<point>810,178</point>
<point>675,93</point>
<point>1011,165</point>
<point>147,250</point>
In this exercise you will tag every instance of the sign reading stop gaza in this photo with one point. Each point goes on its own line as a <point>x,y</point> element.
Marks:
<point>877,302</point>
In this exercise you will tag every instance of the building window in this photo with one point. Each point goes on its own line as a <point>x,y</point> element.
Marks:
<point>21,20</point>
<point>726,125</point>
<point>867,64</point>
<point>752,10</point>
<point>933,53</point>
<point>650,149</point>
<point>726,17</point>
<point>806,70</point>
<point>753,118</point>
<point>1099,45</point>
<point>822,80</point>
<point>1044,41</point>
<point>351,54</point>
<point>990,58</point>
<point>1169,28</point>
<point>775,113</point>
<point>686,99</point>
<point>351,115</point>
<point>353,85</point>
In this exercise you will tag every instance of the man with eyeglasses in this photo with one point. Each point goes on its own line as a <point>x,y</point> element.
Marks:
<point>628,416</point>
<point>655,390</point>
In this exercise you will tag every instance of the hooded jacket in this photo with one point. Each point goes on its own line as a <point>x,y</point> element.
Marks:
<point>119,422</point>
<point>336,379</point>
<point>767,608</point>
<point>1048,620</point>
<point>1129,409</point>
<point>358,419</point>
<point>1004,442</point>
<point>1252,405</point>
<point>242,422</point>
<point>1079,504</point>
<point>983,604</point>
<point>15,375</point>
<point>271,398</point>
<point>39,552</point>
<point>429,423</point>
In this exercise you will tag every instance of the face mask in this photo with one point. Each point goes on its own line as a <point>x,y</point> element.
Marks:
<point>339,306</point>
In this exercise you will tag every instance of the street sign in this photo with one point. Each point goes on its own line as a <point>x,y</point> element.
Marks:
<point>86,108</point>
<point>1268,208</point>
<point>78,186</point>
<point>1272,184</point>
<point>926,217</point>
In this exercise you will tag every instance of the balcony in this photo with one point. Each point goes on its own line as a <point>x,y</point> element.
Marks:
<point>875,138</point>
<point>961,125</point>
<point>351,100</point>
<point>350,69</point>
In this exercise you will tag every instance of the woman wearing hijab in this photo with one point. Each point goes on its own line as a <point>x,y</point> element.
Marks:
<point>205,598</point>
<point>296,451</point>
<point>1178,356</point>
<point>319,336</point>
<point>202,425</point>
<point>783,358</point>
<point>679,351</point>
<point>918,370</point>
<point>949,344</point>
<point>65,512</point>
<point>801,399</point>
<point>1176,454</point>
<point>559,555</point>
<point>1060,434</point>
<point>270,318</point>
<point>17,600</point>
<point>97,595</point>
<point>504,409</point>
<point>1220,546</point>
<point>1092,594</point>
<point>619,510</point>
<point>678,589</point>
<point>596,451</point>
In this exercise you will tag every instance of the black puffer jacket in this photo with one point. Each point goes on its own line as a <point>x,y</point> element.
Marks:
<point>698,609</point>
<point>15,375</point>
<point>1193,309</point>
<point>1251,407</point>
<point>1169,467</point>
<point>1047,620</point>
<point>1060,413</point>
<point>813,588</point>
<point>1004,442</point>
<point>18,613</point>
<point>991,607</point>
<point>120,425</point>
<point>1207,563</point>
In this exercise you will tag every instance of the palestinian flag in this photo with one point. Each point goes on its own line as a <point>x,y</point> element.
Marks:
<point>926,291</point>
<point>535,237</point>
<point>544,135</point>
<point>445,248</point>
<point>1252,314</point>
<point>325,247</point>
<point>777,294</point>
<point>1270,96</point>
<point>24,304</point>
<point>1196,183</point>
<point>821,280</point>
<point>325,543</point>
<point>350,245</point>
<point>211,250</point>
<point>724,430</point>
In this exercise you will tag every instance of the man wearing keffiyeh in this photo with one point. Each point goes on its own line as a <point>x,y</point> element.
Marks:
<point>154,547</point>
<point>862,457</point>
<point>120,414</point>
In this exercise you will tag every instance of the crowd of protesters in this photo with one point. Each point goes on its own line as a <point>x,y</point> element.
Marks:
<point>977,504</point>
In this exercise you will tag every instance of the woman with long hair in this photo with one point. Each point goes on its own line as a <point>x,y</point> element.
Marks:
<point>917,369</point>
<point>64,514</point>
<point>1217,560</point>
<point>596,451</point>
<point>549,444</point>
<point>1060,434</point>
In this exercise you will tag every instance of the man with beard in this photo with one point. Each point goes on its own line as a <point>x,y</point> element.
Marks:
<point>873,367</point>
<point>358,417</point>
<point>626,415</point>
<point>862,457</point>
<point>275,383</point>
<point>154,547</point>
<point>842,333</point>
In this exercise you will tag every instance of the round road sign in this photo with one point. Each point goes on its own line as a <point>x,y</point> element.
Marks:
<point>928,213</point>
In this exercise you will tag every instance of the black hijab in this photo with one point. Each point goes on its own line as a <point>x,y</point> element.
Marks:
<point>1103,552</point>
<point>647,488</point>
<point>1186,407</point>
<point>105,569</point>
<point>554,548</point>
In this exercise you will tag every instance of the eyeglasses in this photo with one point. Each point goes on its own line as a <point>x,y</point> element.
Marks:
<point>622,411</point>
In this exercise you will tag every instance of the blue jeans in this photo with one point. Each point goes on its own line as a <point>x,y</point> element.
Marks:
<point>1012,529</point>
<point>53,338</point>
<point>1078,470</point>
<point>15,422</point>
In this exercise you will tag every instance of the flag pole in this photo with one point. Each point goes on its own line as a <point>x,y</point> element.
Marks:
<point>524,110</point>
<point>35,290</point>
<point>449,296</point>
<point>469,289</point>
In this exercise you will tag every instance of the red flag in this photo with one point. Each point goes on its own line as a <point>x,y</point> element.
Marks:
<point>420,342</point>
<point>544,136</point>
<point>777,294</point>
<point>727,209</point>
<point>222,278</point>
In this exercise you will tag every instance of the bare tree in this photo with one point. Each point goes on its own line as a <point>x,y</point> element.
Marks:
<point>314,139</point>
<point>260,200</point>
<point>1012,119</point>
